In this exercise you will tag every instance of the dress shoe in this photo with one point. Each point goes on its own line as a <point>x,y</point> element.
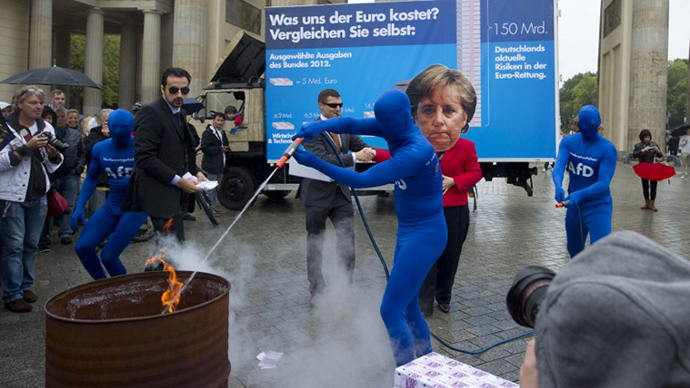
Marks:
<point>43,248</point>
<point>445,308</point>
<point>189,217</point>
<point>29,296</point>
<point>18,306</point>
<point>66,240</point>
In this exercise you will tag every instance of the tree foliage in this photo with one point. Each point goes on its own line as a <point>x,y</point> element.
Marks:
<point>111,69</point>
<point>676,96</point>
<point>576,92</point>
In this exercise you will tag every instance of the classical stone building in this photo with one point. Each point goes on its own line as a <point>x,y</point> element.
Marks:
<point>633,69</point>
<point>154,34</point>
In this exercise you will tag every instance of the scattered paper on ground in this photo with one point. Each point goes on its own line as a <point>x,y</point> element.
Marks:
<point>268,360</point>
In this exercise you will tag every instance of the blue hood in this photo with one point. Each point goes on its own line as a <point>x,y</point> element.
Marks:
<point>394,115</point>
<point>589,120</point>
<point>121,125</point>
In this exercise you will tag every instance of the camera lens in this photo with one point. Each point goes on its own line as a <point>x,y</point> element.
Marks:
<point>527,293</point>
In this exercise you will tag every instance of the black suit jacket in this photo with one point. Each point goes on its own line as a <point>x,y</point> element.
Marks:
<point>212,162</point>
<point>163,147</point>
<point>319,193</point>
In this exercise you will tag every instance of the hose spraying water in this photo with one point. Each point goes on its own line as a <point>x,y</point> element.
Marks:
<point>286,156</point>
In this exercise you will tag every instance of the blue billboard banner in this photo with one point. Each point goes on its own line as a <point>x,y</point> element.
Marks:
<point>505,48</point>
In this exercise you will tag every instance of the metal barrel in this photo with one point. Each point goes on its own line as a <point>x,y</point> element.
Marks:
<point>110,333</point>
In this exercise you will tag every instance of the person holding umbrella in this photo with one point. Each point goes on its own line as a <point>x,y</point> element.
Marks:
<point>646,150</point>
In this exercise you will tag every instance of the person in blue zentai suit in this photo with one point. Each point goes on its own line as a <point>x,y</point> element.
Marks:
<point>115,156</point>
<point>422,233</point>
<point>591,162</point>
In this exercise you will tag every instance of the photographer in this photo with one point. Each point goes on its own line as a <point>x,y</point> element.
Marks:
<point>26,158</point>
<point>615,317</point>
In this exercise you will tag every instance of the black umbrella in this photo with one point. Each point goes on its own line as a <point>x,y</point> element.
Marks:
<point>52,76</point>
<point>192,105</point>
<point>680,131</point>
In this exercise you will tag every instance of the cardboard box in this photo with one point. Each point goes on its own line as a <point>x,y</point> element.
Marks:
<point>436,371</point>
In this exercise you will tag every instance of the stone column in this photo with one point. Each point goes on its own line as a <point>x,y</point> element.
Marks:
<point>189,41</point>
<point>40,34</point>
<point>128,66</point>
<point>62,48</point>
<point>151,56</point>
<point>93,63</point>
<point>648,70</point>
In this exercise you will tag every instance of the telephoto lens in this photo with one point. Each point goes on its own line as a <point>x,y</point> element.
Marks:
<point>527,294</point>
<point>55,142</point>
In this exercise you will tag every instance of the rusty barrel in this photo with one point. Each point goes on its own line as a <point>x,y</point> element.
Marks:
<point>110,333</point>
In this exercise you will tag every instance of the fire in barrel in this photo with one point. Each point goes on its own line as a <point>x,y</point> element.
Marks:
<point>111,333</point>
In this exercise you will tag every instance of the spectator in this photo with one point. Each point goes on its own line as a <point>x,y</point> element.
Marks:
<point>684,148</point>
<point>646,151</point>
<point>67,177</point>
<point>48,115</point>
<point>330,200</point>
<point>57,99</point>
<point>601,130</point>
<point>136,108</point>
<point>233,117</point>
<point>443,103</point>
<point>215,146</point>
<point>5,109</point>
<point>97,134</point>
<point>26,159</point>
<point>164,152</point>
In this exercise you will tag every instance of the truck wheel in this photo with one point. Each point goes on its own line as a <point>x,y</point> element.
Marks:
<point>237,188</point>
<point>276,194</point>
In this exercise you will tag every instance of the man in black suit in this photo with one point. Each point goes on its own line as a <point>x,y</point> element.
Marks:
<point>323,200</point>
<point>163,152</point>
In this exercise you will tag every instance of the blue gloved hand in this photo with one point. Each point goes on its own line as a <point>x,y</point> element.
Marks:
<point>77,215</point>
<point>560,195</point>
<point>306,158</point>
<point>574,198</point>
<point>309,131</point>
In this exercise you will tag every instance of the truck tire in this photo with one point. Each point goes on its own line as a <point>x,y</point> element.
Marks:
<point>276,195</point>
<point>238,186</point>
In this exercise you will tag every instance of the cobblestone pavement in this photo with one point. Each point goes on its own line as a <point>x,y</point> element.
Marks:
<point>343,342</point>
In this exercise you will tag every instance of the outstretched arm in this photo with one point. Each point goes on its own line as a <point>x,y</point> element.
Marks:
<point>559,170</point>
<point>606,171</point>
<point>312,129</point>
<point>380,174</point>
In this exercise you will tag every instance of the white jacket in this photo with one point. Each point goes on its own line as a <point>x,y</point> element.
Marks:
<point>15,179</point>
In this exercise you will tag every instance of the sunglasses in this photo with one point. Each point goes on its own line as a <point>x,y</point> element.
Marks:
<point>333,105</point>
<point>175,89</point>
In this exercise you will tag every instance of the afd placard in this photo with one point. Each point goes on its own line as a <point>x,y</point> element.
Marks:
<point>505,48</point>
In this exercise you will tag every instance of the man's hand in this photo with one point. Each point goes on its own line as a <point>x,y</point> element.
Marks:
<point>36,142</point>
<point>528,370</point>
<point>52,151</point>
<point>310,130</point>
<point>366,154</point>
<point>574,198</point>
<point>188,186</point>
<point>560,195</point>
<point>201,177</point>
<point>448,182</point>
<point>225,148</point>
<point>77,216</point>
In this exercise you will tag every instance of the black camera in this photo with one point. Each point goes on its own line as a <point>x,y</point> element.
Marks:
<point>55,142</point>
<point>527,294</point>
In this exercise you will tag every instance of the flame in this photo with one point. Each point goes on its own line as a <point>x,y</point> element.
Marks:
<point>171,296</point>
<point>167,225</point>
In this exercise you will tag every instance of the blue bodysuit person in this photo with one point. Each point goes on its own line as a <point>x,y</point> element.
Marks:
<point>591,162</point>
<point>115,156</point>
<point>422,232</point>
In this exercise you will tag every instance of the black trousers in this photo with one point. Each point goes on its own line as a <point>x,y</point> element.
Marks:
<point>340,213</point>
<point>177,227</point>
<point>649,191</point>
<point>439,281</point>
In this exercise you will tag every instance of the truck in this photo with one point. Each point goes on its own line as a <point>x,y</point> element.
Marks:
<point>506,49</point>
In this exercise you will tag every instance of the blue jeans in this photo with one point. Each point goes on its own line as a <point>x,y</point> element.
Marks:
<point>212,194</point>
<point>22,224</point>
<point>68,186</point>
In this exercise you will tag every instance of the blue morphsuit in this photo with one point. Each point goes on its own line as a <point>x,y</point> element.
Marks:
<point>115,156</point>
<point>591,161</point>
<point>422,232</point>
